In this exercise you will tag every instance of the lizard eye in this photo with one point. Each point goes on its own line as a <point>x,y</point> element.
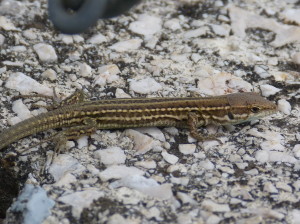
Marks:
<point>255,109</point>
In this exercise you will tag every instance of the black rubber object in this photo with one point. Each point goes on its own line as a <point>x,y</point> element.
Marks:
<point>85,14</point>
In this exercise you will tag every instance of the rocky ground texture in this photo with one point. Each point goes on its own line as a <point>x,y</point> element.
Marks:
<point>161,48</point>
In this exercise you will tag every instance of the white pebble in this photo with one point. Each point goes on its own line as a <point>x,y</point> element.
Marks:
<point>296,150</point>
<point>284,106</point>
<point>83,142</point>
<point>21,110</point>
<point>64,164</point>
<point>291,15</point>
<point>284,186</point>
<point>214,207</point>
<point>220,30</point>
<point>295,216</point>
<point>146,25</point>
<point>126,45</point>
<point>268,90</point>
<point>145,86</point>
<point>148,164</point>
<point>262,156</point>
<point>187,148</point>
<point>119,171</point>
<point>270,188</point>
<point>262,71</point>
<point>196,33</point>
<point>172,159</point>
<point>45,52</point>
<point>80,200</point>
<point>97,39</point>
<point>296,58</point>
<point>2,38</point>
<point>111,156</point>
<point>145,185</point>
<point>274,156</point>
<point>223,18</point>
<point>272,145</point>
<point>107,74</point>
<point>19,48</point>
<point>13,63</point>
<point>154,132</point>
<point>121,94</point>
<point>67,39</point>
<point>172,24</point>
<point>142,143</point>
<point>85,70</point>
<point>6,24</point>
<point>49,74</point>
<point>26,85</point>
<point>30,34</point>
<point>206,164</point>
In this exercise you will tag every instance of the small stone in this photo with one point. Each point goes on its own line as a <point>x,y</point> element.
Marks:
<point>6,24</point>
<point>270,188</point>
<point>64,164</point>
<point>153,131</point>
<point>284,186</point>
<point>145,185</point>
<point>206,164</point>
<point>268,90</point>
<point>223,18</point>
<point>80,200</point>
<point>172,159</point>
<point>21,110</point>
<point>111,156</point>
<point>262,71</point>
<point>107,74</point>
<point>45,52</point>
<point>19,48</point>
<point>30,34</point>
<point>121,94</point>
<point>2,38</point>
<point>33,205</point>
<point>281,157</point>
<point>148,164</point>
<point>145,86</point>
<point>49,74</point>
<point>214,207</point>
<point>146,25</point>
<point>185,198</point>
<point>126,45</point>
<point>284,106</point>
<point>187,149</point>
<point>97,39</point>
<point>196,33</point>
<point>226,169</point>
<point>296,58</point>
<point>13,63</point>
<point>118,172</point>
<point>142,143</point>
<point>172,24</point>
<point>66,39</point>
<point>295,216</point>
<point>85,70</point>
<point>221,30</point>
<point>195,57</point>
<point>26,85</point>
<point>296,150</point>
<point>272,145</point>
<point>291,15</point>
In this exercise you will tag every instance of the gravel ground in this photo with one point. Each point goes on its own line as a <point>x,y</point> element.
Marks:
<point>161,48</point>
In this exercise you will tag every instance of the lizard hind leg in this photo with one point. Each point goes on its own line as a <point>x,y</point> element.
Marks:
<point>73,133</point>
<point>192,124</point>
